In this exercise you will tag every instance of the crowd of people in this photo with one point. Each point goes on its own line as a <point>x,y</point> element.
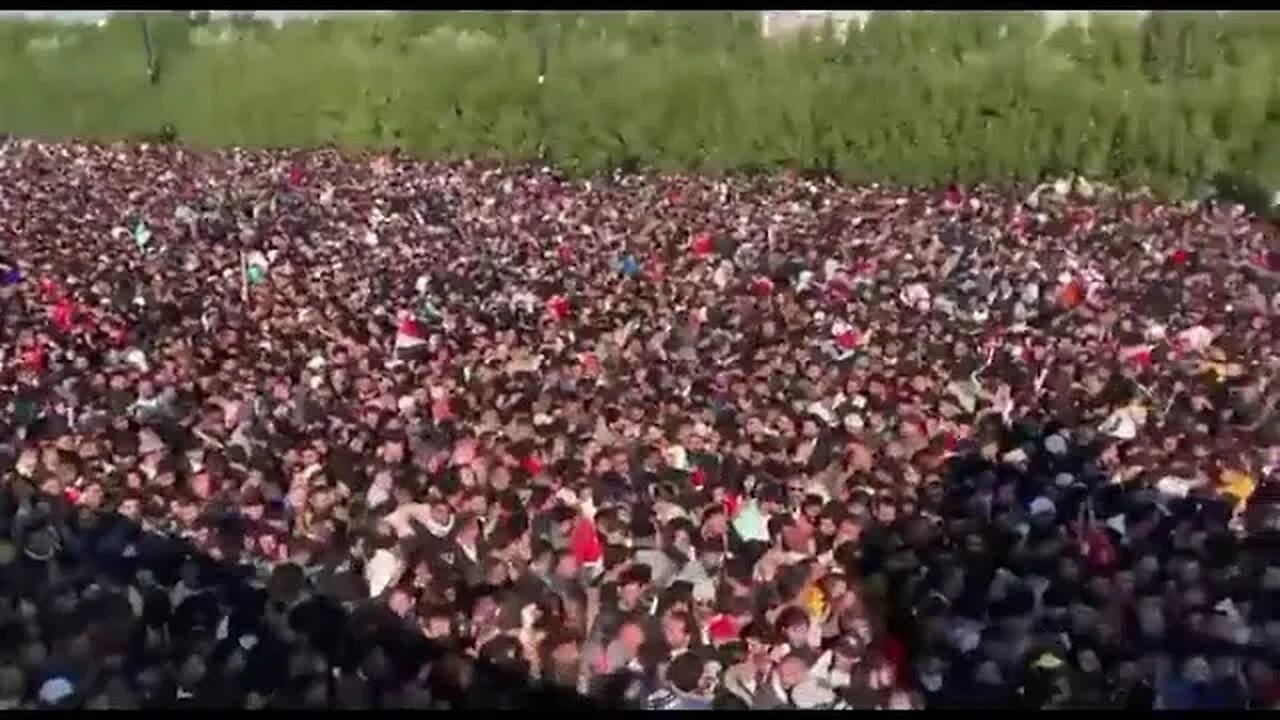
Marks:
<point>289,429</point>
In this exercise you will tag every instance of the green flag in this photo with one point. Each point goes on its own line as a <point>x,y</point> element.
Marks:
<point>255,268</point>
<point>142,235</point>
<point>428,312</point>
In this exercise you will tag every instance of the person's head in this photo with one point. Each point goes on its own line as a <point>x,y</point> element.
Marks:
<point>846,654</point>
<point>793,627</point>
<point>563,658</point>
<point>631,586</point>
<point>1151,616</point>
<point>685,673</point>
<point>711,556</point>
<point>682,540</point>
<point>13,686</point>
<point>931,671</point>
<point>32,655</point>
<point>437,622</point>
<point>1196,669</point>
<point>441,512</point>
<point>885,512</point>
<point>1087,660</point>
<point>631,635</point>
<point>677,630</point>
<point>988,672</point>
<point>193,671</point>
<point>543,558</point>
<point>401,602</point>
<point>792,671</point>
<point>715,523</point>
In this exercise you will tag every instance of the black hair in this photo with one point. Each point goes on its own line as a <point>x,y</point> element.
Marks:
<point>685,672</point>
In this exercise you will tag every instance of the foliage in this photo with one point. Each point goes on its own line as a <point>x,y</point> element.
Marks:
<point>1170,100</point>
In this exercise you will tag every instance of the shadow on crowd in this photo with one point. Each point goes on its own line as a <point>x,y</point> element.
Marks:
<point>1116,595</point>
<point>98,613</point>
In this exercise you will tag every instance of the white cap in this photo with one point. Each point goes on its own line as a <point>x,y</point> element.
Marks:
<point>1043,505</point>
<point>1055,444</point>
<point>55,690</point>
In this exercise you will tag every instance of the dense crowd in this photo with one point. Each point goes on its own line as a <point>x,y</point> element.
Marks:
<point>304,430</point>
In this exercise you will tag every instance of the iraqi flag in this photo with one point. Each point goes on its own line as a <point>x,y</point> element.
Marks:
<point>410,341</point>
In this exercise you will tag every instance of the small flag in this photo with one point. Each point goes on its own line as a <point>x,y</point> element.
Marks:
<point>585,543</point>
<point>34,358</point>
<point>429,312</point>
<point>815,601</point>
<point>558,307</point>
<point>1070,294</point>
<point>1237,485</point>
<point>630,266</point>
<point>532,464</point>
<point>409,339</point>
<point>142,235</point>
<point>1139,355</point>
<point>731,504</point>
<point>255,269</point>
<point>701,245</point>
<point>750,524</point>
<point>846,337</point>
<point>63,315</point>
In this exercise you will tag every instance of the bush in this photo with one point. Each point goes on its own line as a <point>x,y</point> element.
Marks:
<point>1172,100</point>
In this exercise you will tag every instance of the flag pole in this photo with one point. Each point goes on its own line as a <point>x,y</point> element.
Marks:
<point>153,69</point>
<point>244,278</point>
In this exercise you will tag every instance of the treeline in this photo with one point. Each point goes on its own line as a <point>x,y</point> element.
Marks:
<point>1171,101</point>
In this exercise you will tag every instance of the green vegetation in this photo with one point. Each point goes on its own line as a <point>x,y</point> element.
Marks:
<point>1169,101</point>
